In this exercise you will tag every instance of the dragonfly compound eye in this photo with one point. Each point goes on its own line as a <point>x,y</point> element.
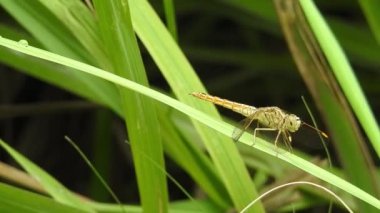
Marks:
<point>294,122</point>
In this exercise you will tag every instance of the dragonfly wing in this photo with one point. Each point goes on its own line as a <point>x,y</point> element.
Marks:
<point>242,127</point>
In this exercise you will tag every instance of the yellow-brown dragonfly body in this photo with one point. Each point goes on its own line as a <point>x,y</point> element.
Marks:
<point>272,118</point>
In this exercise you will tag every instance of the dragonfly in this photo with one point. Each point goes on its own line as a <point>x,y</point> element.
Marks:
<point>271,118</point>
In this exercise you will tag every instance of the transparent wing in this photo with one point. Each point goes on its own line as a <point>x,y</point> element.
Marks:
<point>242,127</point>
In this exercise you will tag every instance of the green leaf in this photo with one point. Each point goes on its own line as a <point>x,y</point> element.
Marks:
<point>17,200</point>
<point>190,157</point>
<point>53,35</point>
<point>170,18</point>
<point>139,112</point>
<point>344,74</point>
<point>371,12</point>
<point>52,186</point>
<point>183,80</point>
<point>200,168</point>
<point>79,20</point>
<point>205,119</point>
<point>317,75</point>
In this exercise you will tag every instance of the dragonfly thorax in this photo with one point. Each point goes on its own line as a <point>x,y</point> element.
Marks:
<point>274,117</point>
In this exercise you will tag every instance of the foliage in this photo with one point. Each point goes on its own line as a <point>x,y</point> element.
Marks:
<point>93,53</point>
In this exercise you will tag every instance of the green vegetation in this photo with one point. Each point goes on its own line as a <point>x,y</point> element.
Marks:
<point>240,53</point>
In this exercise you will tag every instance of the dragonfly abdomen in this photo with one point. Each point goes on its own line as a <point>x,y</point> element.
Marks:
<point>243,109</point>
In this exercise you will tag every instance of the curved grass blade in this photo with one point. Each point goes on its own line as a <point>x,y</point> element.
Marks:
<point>97,174</point>
<point>13,199</point>
<point>59,192</point>
<point>221,127</point>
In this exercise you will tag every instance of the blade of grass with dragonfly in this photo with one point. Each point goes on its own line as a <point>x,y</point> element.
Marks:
<point>205,119</point>
<point>328,96</point>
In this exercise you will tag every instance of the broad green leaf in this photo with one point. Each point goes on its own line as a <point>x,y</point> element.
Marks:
<point>139,112</point>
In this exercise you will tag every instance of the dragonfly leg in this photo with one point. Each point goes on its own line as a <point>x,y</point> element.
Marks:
<point>275,142</point>
<point>262,129</point>
<point>287,140</point>
<point>242,127</point>
<point>254,133</point>
<point>278,135</point>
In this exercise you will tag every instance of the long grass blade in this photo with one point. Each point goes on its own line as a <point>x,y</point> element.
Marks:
<point>317,73</point>
<point>205,119</point>
<point>139,112</point>
<point>177,70</point>
<point>59,192</point>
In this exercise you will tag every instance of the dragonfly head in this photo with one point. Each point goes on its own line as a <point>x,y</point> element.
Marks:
<point>292,122</point>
